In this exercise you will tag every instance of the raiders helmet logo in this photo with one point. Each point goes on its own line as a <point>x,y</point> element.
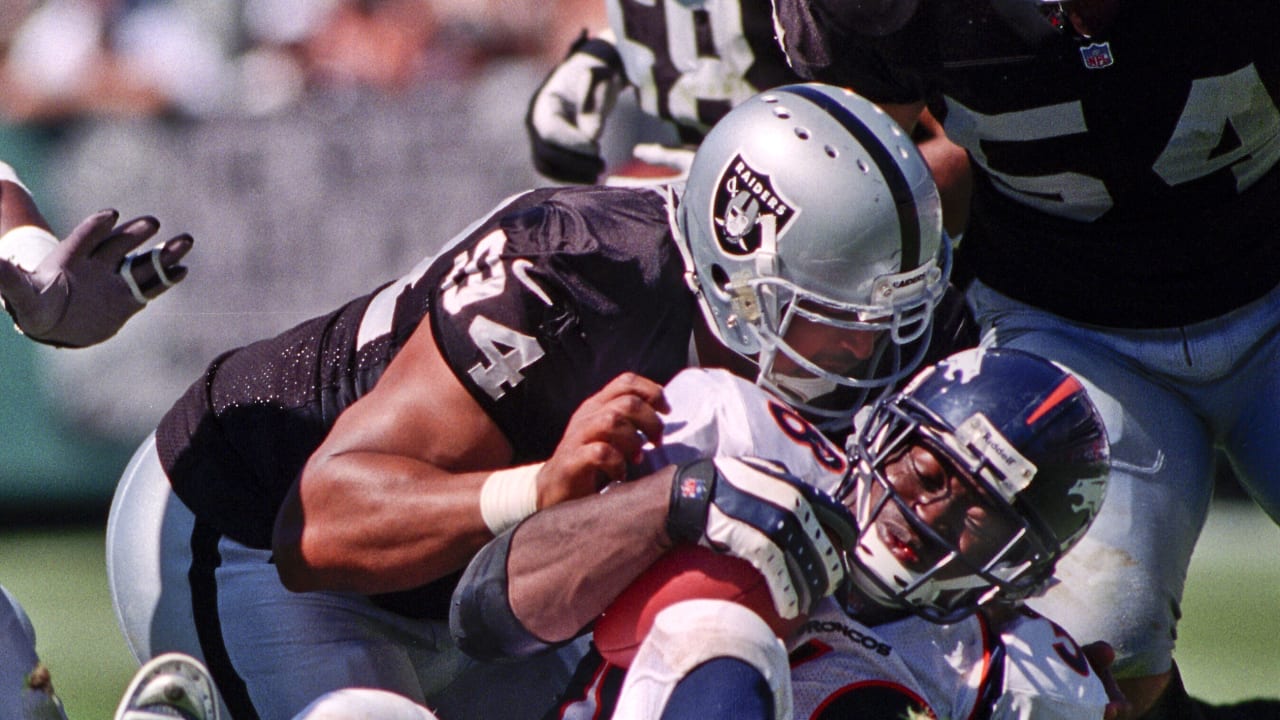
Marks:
<point>745,202</point>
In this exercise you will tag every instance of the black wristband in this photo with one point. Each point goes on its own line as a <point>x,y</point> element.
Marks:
<point>691,490</point>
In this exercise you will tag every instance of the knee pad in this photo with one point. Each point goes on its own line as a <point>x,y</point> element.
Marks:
<point>364,702</point>
<point>687,635</point>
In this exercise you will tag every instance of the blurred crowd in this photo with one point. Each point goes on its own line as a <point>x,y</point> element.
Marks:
<point>246,123</point>
<point>66,59</point>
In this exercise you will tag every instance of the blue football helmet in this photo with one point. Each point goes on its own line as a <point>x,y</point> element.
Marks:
<point>1019,429</point>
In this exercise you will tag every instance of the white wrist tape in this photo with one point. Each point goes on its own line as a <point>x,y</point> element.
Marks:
<point>26,245</point>
<point>8,173</point>
<point>509,496</point>
<point>126,272</point>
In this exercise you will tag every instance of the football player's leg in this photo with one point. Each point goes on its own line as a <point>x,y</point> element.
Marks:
<point>21,670</point>
<point>729,644</point>
<point>148,554</point>
<point>525,689</point>
<point>1123,583</point>
<point>1248,409</point>
<point>285,649</point>
<point>722,687</point>
<point>364,703</point>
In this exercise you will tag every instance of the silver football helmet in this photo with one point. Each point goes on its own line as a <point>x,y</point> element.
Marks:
<point>807,205</point>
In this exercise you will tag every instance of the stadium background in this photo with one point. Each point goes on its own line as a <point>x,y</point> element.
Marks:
<point>340,183</point>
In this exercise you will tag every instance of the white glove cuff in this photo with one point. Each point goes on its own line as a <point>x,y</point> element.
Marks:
<point>26,245</point>
<point>509,496</point>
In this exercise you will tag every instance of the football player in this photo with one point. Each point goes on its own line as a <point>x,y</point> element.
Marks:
<point>73,293</point>
<point>962,491</point>
<point>688,62</point>
<point>300,516</point>
<point>1088,238</point>
<point>965,490</point>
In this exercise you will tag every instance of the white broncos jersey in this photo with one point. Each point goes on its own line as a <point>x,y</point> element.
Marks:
<point>716,413</point>
<point>969,670</point>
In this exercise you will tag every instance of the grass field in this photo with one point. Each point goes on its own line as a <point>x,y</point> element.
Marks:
<point>1229,647</point>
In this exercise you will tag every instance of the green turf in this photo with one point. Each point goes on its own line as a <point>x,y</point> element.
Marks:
<point>1228,648</point>
<point>59,576</point>
<point>1228,644</point>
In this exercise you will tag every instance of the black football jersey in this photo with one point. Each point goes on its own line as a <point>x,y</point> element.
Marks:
<point>692,60</point>
<point>534,308</point>
<point>1127,179</point>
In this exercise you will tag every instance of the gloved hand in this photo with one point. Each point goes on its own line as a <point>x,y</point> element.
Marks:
<point>85,289</point>
<point>568,111</point>
<point>755,510</point>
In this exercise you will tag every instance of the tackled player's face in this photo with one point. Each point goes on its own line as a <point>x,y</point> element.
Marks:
<point>948,501</point>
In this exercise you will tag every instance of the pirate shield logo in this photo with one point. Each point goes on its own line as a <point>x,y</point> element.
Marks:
<point>744,207</point>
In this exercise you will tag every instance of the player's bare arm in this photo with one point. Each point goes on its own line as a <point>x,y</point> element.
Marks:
<point>392,499</point>
<point>531,588</point>
<point>557,588</point>
<point>949,164</point>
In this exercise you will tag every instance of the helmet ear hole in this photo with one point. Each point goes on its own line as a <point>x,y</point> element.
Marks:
<point>720,280</point>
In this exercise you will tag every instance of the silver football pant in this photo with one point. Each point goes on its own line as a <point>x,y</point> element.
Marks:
<point>1171,398</point>
<point>291,648</point>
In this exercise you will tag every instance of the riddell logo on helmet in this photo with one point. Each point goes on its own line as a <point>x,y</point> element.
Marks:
<point>745,207</point>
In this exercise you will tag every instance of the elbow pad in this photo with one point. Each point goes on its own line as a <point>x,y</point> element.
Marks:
<point>480,617</point>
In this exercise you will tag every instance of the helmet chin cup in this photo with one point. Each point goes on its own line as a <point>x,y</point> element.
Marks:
<point>803,390</point>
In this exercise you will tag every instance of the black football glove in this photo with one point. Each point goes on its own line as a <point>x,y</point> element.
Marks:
<point>567,112</point>
<point>755,510</point>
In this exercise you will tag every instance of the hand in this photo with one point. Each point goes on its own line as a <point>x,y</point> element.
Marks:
<point>567,112</point>
<point>1100,656</point>
<point>755,510</point>
<point>78,294</point>
<point>606,433</point>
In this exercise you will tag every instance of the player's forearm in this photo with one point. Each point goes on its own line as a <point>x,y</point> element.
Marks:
<point>568,562</point>
<point>369,523</point>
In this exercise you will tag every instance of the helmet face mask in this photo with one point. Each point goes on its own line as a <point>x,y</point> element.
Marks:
<point>1028,453</point>
<point>807,205</point>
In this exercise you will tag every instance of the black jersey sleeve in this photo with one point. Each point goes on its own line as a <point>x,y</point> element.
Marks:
<point>824,43</point>
<point>553,297</point>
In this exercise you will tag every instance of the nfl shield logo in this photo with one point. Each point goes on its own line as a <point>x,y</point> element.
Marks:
<point>692,488</point>
<point>1097,56</point>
